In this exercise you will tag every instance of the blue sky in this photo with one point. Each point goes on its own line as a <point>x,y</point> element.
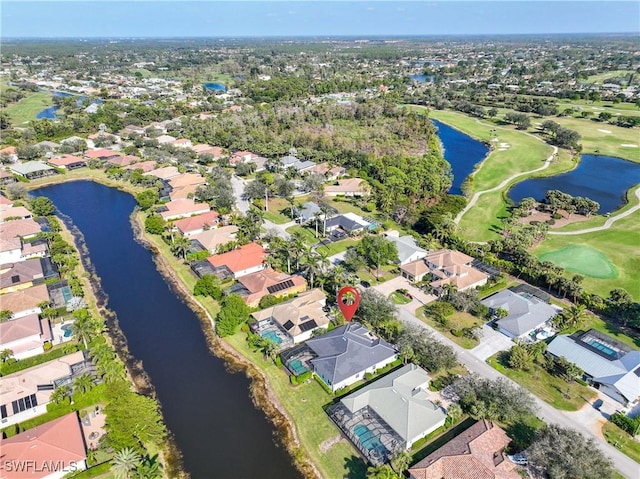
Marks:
<point>107,18</point>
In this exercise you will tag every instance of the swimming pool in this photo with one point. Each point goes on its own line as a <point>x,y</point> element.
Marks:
<point>67,330</point>
<point>367,438</point>
<point>606,350</point>
<point>296,367</point>
<point>272,336</point>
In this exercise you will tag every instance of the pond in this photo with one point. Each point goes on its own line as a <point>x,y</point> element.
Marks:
<point>462,152</point>
<point>215,86</point>
<point>604,179</point>
<point>208,409</point>
<point>50,112</point>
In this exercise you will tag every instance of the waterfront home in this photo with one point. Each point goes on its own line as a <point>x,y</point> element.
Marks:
<point>197,224</point>
<point>445,267</point>
<point>525,313</point>
<point>125,160</point>
<point>344,355</point>
<point>25,301</point>
<point>212,239</point>
<point>389,414</point>
<point>611,366</point>
<point>347,187</point>
<point>48,451</point>
<point>164,173</point>
<point>145,166</point>
<point>24,229</point>
<point>477,452</point>
<point>253,287</point>
<point>102,154</point>
<point>25,336</point>
<point>20,275</point>
<point>184,185</point>
<point>408,250</point>
<point>25,393</point>
<point>182,208</point>
<point>32,169</point>
<point>297,318</point>
<point>245,260</point>
<point>14,213</point>
<point>67,162</point>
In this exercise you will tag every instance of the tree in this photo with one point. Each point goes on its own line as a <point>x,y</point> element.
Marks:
<point>519,358</point>
<point>565,454</point>
<point>375,309</point>
<point>133,420</point>
<point>377,250</point>
<point>125,462</point>
<point>208,285</point>
<point>400,462</point>
<point>353,260</point>
<point>233,312</point>
<point>5,315</point>
<point>284,188</point>
<point>147,198</point>
<point>42,206</point>
<point>83,384</point>
<point>154,224</point>
<point>428,351</point>
<point>5,355</point>
<point>84,327</point>
<point>381,472</point>
<point>60,395</point>
<point>180,246</point>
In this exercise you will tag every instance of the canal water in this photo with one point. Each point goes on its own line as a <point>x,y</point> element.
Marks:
<point>604,179</point>
<point>462,152</point>
<point>216,426</point>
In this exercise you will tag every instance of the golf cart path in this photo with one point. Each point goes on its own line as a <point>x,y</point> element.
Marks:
<point>607,224</point>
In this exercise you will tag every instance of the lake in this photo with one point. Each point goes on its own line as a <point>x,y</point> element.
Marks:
<point>422,78</point>
<point>215,86</point>
<point>462,152</point>
<point>604,179</point>
<point>50,112</point>
<point>209,411</point>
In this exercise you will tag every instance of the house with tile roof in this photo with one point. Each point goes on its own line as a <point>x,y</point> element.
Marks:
<point>102,154</point>
<point>14,213</point>
<point>213,238</point>
<point>348,187</point>
<point>164,173</point>
<point>611,366</point>
<point>24,229</point>
<point>244,260</point>
<point>526,313</point>
<point>25,336</point>
<point>255,286</point>
<point>67,162</point>
<point>50,450</point>
<point>182,208</point>
<point>445,267</point>
<point>145,166</point>
<point>197,224</point>
<point>476,453</point>
<point>297,318</point>
<point>20,275</point>
<point>25,301</point>
<point>345,354</point>
<point>124,160</point>
<point>392,413</point>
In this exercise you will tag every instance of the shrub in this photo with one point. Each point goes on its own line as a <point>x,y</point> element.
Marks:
<point>47,345</point>
<point>626,423</point>
<point>368,376</point>
<point>369,207</point>
<point>551,222</point>
<point>556,216</point>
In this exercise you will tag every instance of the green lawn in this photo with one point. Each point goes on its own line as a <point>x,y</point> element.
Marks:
<point>308,234</point>
<point>27,108</point>
<point>398,298</point>
<point>456,321</point>
<point>621,440</point>
<point>599,324</point>
<point>338,246</point>
<point>304,404</point>
<point>554,390</point>
<point>279,211</point>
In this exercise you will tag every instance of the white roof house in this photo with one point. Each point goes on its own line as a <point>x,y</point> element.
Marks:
<point>408,250</point>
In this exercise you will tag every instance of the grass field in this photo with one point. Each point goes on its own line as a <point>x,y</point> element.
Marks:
<point>621,247</point>
<point>554,390</point>
<point>27,108</point>
<point>456,321</point>
<point>621,440</point>
<point>582,259</point>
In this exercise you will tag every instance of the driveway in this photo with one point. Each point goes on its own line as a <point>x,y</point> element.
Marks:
<point>420,298</point>
<point>238,189</point>
<point>491,342</point>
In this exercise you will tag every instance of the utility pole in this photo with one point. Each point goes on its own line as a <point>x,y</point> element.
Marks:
<point>266,199</point>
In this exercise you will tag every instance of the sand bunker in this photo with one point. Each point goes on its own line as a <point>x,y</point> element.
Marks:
<point>628,145</point>
<point>604,131</point>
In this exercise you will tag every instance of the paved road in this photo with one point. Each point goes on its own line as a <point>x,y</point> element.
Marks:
<point>625,465</point>
<point>607,224</point>
<point>238,189</point>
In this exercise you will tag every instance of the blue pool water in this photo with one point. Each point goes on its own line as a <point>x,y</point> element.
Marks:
<point>367,437</point>
<point>608,351</point>
<point>297,367</point>
<point>604,179</point>
<point>270,335</point>
<point>462,152</point>
<point>215,86</point>
<point>67,330</point>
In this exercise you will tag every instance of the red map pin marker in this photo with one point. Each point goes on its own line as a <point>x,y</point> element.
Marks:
<point>348,301</point>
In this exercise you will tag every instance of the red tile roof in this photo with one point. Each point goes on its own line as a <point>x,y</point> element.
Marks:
<point>195,223</point>
<point>245,257</point>
<point>58,442</point>
<point>102,153</point>
<point>66,160</point>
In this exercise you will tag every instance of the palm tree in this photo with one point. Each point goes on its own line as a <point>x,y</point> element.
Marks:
<point>180,246</point>
<point>84,328</point>
<point>125,462</point>
<point>5,354</point>
<point>83,384</point>
<point>381,472</point>
<point>311,268</point>
<point>574,315</point>
<point>59,394</point>
<point>5,315</point>
<point>112,371</point>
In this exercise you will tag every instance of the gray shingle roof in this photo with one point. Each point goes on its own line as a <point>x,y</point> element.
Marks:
<point>524,315</point>
<point>346,351</point>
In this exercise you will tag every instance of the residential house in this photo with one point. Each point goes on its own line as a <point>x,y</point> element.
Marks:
<point>14,213</point>
<point>215,151</point>
<point>125,160</point>
<point>197,224</point>
<point>25,336</point>
<point>165,139</point>
<point>301,166</point>
<point>10,153</point>
<point>130,130</point>
<point>348,187</point>
<point>67,162</point>
<point>164,173</point>
<point>5,203</point>
<point>145,166</point>
<point>51,450</point>
<point>6,177</point>
<point>32,169</point>
<point>408,250</point>
<point>253,287</point>
<point>184,185</point>
<point>348,222</point>
<point>242,157</point>
<point>182,143</point>
<point>308,212</point>
<point>25,301</point>
<point>297,318</point>
<point>244,260</point>
<point>25,228</point>
<point>25,393</point>
<point>391,414</point>
<point>102,154</point>
<point>47,146</point>
<point>445,267</point>
<point>21,275</point>
<point>477,452</point>
<point>611,366</point>
<point>345,354</point>
<point>213,238</point>
<point>182,208</point>
<point>10,250</point>
<point>526,313</point>
<point>329,172</point>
